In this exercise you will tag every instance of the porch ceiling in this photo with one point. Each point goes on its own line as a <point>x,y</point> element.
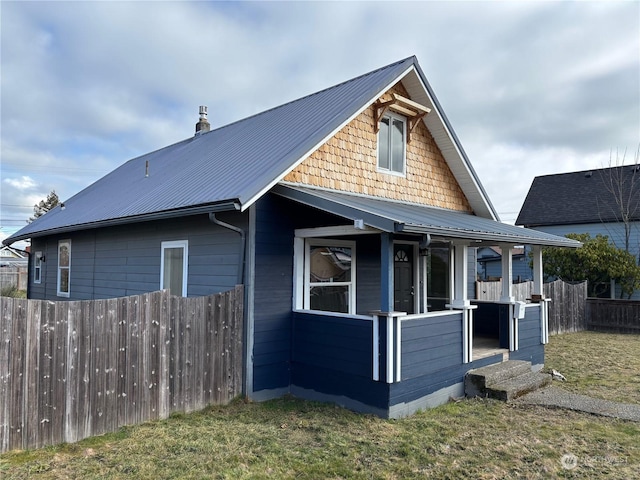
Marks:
<point>393,216</point>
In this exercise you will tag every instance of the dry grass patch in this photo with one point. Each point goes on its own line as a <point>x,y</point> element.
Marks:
<point>601,365</point>
<point>294,439</point>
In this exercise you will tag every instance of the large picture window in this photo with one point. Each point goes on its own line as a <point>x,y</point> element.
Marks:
<point>64,267</point>
<point>173,267</point>
<point>391,144</point>
<point>330,276</point>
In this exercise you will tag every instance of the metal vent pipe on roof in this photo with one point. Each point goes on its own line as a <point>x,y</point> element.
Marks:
<point>203,125</point>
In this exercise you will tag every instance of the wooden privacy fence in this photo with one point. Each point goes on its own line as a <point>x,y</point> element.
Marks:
<point>70,370</point>
<point>615,316</point>
<point>566,309</point>
<point>11,275</point>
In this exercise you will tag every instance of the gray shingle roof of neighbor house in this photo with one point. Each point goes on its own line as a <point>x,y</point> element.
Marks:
<point>395,216</point>
<point>232,166</point>
<point>582,197</point>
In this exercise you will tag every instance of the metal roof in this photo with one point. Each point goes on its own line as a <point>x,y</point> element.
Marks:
<point>232,166</point>
<point>402,217</point>
<point>590,196</point>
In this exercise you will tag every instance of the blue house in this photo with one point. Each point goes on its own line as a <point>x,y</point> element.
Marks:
<point>598,202</point>
<point>348,215</point>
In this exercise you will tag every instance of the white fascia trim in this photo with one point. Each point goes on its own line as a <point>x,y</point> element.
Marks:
<point>336,231</point>
<point>270,185</point>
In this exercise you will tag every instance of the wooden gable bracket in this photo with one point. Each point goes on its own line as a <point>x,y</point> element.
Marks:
<point>412,110</point>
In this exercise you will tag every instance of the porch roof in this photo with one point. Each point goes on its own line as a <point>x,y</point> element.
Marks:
<point>402,217</point>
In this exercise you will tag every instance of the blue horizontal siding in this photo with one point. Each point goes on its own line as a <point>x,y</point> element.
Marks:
<point>340,344</point>
<point>431,344</point>
<point>530,347</point>
<point>120,261</point>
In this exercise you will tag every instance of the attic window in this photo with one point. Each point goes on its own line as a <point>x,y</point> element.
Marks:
<point>413,111</point>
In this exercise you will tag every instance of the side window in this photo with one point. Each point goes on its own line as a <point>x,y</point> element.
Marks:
<point>37,268</point>
<point>64,267</point>
<point>392,144</point>
<point>174,267</point>
<point>330,279</point>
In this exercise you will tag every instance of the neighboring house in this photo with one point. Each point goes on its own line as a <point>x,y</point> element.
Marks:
<point>348,215</point>
<point>490,264</point>
<point>8,253</point>
<point>13,267</point>
<point>590,201</point>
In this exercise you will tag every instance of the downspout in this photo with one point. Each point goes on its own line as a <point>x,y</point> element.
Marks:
<point>29,260</point>
<point>243,241</point>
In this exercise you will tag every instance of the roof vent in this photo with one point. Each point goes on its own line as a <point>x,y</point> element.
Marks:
<point>203,125</point>
<point>588,175</point>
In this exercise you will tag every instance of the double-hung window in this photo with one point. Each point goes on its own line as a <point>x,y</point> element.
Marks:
<point>329,280</point>
<point>392,144</point>
<point>64,267</point>
<point>37,268</point>
<point>173,267</point>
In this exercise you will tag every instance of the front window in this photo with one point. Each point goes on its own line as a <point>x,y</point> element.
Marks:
<point>37,268</point>
<point>64,267</point>
<point>173,268</point>
<point>330,276</point>
<point>391,144</point>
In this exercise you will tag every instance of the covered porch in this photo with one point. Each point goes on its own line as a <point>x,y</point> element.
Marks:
<point>382,318</point>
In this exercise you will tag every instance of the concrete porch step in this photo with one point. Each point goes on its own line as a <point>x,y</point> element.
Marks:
<point>504,381</point>
<point>518,386</point>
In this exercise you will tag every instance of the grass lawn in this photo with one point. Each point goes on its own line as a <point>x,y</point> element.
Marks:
<point>294,439</point>
<point>601,365</point>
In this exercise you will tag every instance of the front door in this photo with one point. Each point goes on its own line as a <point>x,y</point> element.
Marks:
<point>403,288</point>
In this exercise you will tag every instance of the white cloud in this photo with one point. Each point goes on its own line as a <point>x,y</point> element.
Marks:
<point>22,183</point>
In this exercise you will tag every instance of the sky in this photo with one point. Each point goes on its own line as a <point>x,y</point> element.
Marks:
<point>530,88</point>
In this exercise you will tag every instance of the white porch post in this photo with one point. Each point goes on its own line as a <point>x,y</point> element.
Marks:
<point>538,289</point>
<point>460,269</point>
<point>507,294</point>
<point>459,300</point>
<point>537,270</point>
<point>507,274</point>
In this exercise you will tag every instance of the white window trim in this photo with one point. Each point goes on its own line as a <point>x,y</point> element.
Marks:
<point>305,267</point>
<point>389,171</point>
<point>58,291</point>
<point>37,267</point>
<point>184,244</point>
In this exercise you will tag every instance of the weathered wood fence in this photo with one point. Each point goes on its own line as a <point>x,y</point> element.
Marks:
<point>566,309</point>
<point>70,370</point>
<point>14,276</point>
<point>615,316</point>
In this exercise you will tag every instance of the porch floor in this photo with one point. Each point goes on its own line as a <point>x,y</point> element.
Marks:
<point>488,346</point>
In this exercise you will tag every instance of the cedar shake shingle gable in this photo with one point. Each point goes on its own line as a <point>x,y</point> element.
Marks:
<point>582,197</point>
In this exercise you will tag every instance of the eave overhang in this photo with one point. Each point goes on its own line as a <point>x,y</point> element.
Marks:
<point>397,217</point>
<point>226,206</point>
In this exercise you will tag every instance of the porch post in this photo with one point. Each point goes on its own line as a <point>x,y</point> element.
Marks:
<point>460,271</point>
<point>386,272</point>
<point>538,293</point>
<point>459,300</point>
<point>537,271</point>
<point>507,274</point>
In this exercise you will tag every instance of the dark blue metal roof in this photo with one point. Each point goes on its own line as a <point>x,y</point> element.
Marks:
<point>230,166</point>
<point>402,217</point>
